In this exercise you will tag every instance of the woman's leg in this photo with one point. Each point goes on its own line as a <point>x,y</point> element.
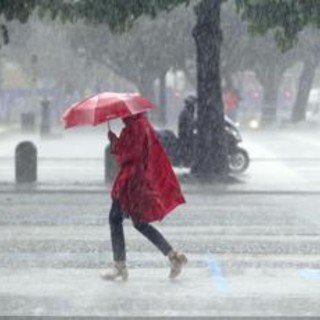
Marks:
<point>116,230</point>
<point>119,269</point>
<point>154,236</point>
<point>177,260</point>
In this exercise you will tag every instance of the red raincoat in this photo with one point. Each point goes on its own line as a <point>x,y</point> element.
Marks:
<point>146,185</point>
<point>231,101</point>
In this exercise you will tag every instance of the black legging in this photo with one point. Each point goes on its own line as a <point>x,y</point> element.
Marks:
<point>116,218</point>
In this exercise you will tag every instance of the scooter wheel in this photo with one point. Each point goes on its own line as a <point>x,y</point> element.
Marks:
<point>238,161</point>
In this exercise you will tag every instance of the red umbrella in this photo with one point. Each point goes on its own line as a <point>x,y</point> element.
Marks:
<point>103,107</point>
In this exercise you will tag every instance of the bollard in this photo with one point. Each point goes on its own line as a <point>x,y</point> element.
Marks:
<point>45,118</point>
<point>26,162</point>
<point>110,166</point>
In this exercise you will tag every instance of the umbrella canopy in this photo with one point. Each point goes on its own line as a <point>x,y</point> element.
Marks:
<point>103,107</point>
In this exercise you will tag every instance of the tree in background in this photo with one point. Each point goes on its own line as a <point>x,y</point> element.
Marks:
<point>269,64</point>
<point>287,18</point>
<point>308,48</point>
<point>143,54</point>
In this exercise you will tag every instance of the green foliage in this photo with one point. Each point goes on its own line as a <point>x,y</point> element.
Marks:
<point>14,10</point>
<point>120,14</point>
<point>117,14</point>
<point>17,9</point>
<point>287,17</point>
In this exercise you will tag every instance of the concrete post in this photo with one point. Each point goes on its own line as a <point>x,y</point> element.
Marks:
<point>45,118</point>
<point>26,162</point>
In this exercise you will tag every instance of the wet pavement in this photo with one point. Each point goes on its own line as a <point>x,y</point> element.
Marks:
<point>248,255</point>
<point>253,247</point>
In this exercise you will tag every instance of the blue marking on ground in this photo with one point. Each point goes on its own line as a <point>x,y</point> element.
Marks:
<point>310,274</point>
<point>217,274</point>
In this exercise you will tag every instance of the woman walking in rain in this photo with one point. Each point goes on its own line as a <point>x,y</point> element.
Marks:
<point>146,190</point>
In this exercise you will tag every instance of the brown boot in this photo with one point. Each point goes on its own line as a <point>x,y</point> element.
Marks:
<point>119,270</point>
<point>177,261</point>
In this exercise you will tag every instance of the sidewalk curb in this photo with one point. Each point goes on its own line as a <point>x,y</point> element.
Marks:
<point>38,189</point>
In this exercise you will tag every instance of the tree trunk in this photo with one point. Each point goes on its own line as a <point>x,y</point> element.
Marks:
<point>305,84</point>
<point>210,161</point>
<point>271,83</point>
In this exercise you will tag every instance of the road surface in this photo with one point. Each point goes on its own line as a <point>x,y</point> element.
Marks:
<point>253,247</point>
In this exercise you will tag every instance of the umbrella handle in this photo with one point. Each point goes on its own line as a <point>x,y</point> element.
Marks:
<point>109,128</point>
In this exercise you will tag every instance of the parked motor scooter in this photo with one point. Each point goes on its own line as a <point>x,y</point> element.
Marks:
<point>238,157</point>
